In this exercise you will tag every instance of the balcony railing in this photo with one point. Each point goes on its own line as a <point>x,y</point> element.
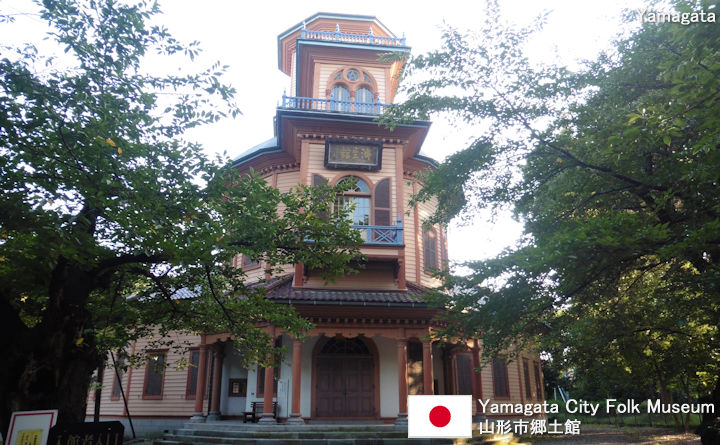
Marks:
<point>378,235</point>
<point>338,36</point>
<point>381,235</point>
<point>341,106</point>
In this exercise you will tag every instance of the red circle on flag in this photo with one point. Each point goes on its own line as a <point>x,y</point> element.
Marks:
<point>439,416</point>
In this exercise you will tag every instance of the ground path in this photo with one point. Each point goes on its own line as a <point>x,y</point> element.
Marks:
<point>604,435</point>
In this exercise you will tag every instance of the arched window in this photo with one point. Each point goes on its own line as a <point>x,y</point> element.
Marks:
<point>364,98</point>
<point>359,197</point>
<point>339,98</point>
<point>353,90</point>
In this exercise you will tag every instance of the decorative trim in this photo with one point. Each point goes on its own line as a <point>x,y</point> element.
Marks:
<point>284,168</point>
<point>323,136</point>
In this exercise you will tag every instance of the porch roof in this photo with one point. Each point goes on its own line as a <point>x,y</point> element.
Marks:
<point>281,290</point>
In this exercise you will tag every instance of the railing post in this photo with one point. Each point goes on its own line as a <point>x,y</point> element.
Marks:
<point>337,31</point>
<point>398,231</point>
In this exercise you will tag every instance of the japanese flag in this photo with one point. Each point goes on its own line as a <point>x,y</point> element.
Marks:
<point>440,416</point>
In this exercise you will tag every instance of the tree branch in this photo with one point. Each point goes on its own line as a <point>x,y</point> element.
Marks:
<point>129,259</point>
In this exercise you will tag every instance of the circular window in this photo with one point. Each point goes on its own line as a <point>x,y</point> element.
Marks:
<point>352,75</point>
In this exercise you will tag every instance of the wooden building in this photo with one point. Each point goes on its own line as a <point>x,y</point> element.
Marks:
<point>368,349</point>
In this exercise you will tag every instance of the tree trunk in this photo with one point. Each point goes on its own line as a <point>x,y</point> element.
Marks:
<point>709,429</point>
<point>49,365</point>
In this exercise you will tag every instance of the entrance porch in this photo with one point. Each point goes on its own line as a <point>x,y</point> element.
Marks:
<point>337,373</point>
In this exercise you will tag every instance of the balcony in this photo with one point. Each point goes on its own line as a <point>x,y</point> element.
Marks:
<point>345,37</point>
<point>387,236</point>
<point>383,236</point>
<point>332,105</point>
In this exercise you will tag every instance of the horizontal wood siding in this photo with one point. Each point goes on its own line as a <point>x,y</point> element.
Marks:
<point>316,165</point>
<point>324,70</point>
<point>173,402</point>
<point>288,180</point>
<point>379,277</point>
<point>409,233</point>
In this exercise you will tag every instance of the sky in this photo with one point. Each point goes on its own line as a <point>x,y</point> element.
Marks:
<point>243,35</point>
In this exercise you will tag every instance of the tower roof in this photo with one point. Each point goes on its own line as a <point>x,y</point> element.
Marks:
<point>331,28</point>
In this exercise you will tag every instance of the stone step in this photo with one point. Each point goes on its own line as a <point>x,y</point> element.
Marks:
<point>239,426</point>
<point>292,434</point>
<point>238,433</point>
<point>205,440</point>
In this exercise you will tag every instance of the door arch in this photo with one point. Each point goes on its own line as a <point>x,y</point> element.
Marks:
<point>345,379</point>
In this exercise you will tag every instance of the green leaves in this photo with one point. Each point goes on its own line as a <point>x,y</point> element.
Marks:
<point>103,199</point>
<point>614,171</point>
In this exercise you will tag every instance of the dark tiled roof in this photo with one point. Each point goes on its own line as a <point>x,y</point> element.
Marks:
<point>280,290</point>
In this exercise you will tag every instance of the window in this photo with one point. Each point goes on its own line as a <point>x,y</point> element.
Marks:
<point>538,381</point>
<point>463,373</point>
<point>526,375</point>
<point>193,364</point>
<point>117,377</point>
<point>364,98</point>
<point>249,263</point>
<point>359,197</point>
<point>351,89</point>
<point>339,98</point>
<point>154,375</point>
<point>430,249</point>
<point>500,378</point>
<point>237,388</point>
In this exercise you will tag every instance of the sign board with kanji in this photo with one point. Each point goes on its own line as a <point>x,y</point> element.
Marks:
<point>90,433</point>
<point>31,427</point>
<point>353,154</point>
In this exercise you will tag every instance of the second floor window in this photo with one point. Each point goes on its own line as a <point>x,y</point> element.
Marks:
<point>430,243</point>
<point>364,96</point>
<point>359,198</point>
<point>340,98</point>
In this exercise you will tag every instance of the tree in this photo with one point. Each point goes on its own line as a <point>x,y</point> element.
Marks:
<point>613,170</point>
<point>103,200</point>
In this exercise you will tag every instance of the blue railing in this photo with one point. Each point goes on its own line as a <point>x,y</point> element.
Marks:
<point>378,235</point>
<point>343,106</point>
<point>381,235</point>
<point>338,36</point>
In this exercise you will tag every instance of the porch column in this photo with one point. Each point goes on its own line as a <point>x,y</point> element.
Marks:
<point>295,415</point>
<point>402,381</point>
<point>427,368</point>
<point>200,386</point>
<point>477,381</point>
<point>267,415</point>
<point>214,413</point>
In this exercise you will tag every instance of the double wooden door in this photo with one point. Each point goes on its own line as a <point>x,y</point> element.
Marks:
<point>345,386</point>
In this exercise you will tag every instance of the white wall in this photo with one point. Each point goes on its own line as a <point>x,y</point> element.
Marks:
<point>387,349</point>
<point>232,369</point>
<point>306,379</point>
